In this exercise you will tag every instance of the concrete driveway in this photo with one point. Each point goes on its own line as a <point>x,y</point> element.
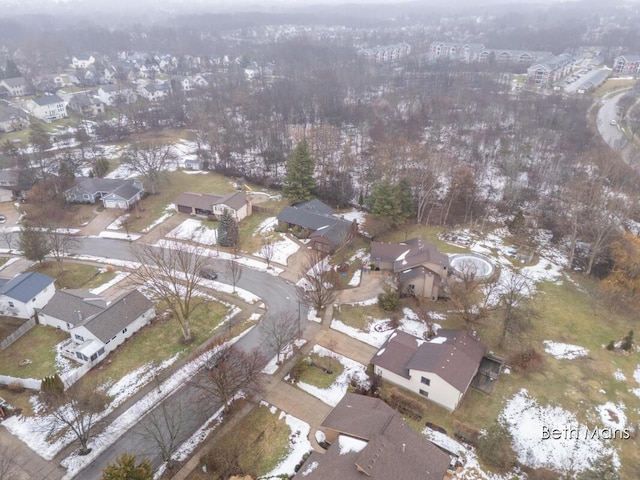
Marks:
<point>345,345</point>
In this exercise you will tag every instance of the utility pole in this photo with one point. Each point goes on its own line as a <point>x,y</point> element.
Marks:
<point>299,321</point>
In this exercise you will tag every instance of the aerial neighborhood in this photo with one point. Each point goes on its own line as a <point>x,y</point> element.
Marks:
<point>320,241</point>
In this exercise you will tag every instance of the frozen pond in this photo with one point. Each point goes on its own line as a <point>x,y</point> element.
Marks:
<point>471,262</point>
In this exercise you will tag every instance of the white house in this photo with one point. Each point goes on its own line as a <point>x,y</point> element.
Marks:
<point>115,94</point>
<point>97,335</point>
<point>113,192</point>
<point>440,369</point>
<point>25,294</point>
<point>154,91</point>
<point>83,61</point>
<point>47,108</point>
<point>12,118</point>
<point>17,86</point>
<point>70,308</point>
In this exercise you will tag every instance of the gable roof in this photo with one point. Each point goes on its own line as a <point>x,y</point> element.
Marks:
<point>454,355</point>
<point>111,185</point>
<point>393,449</point>
<point>74,306</point>
<point>201,201</point>
<point>235,200</point>
<point>47,100</point>
<point>409,254</point>
<point>25,286</point>
<point>315,206</point>
<point>118,315</point>
<point>14,82</point>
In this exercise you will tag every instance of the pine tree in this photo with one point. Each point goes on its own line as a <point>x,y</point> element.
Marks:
<point>125,468</point>
<point>228,234</point>
<point>299,181</point>
<point>393,202</point>
<point>34,244</point>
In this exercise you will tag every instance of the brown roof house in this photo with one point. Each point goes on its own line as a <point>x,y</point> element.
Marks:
<point>440,369</point>
<point>420,269</point>
<point>315,220</point>
<point>209,204</point>
<point>369,440</point>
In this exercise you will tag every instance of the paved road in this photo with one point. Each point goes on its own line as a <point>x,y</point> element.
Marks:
<point>279,297</point>
<point>611,133</point>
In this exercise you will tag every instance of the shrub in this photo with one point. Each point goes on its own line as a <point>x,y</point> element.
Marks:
<point>301,366</point>
<point>627,341</point>
<point>389,301</point>
<point>526,361</point>
<point>611,346</point>
<point>495,447</point>
<point>466,433</point>
<point>394,321</point>
<point>405,404</point>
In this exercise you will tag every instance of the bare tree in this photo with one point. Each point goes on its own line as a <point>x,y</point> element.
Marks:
<point>76,409</point>
<point>279,331</point>
<point>235,272</point>
<point>149,160</point>
<point>516,311</point>
<point>469,294</point>
<point>9,468</point>
<point>8,236</point>
<point>171,275</point>
<point>229,372</point>
<point>54,221</point>
<point>268,249</point>
<point>318,287</point>
<point>160,431</point>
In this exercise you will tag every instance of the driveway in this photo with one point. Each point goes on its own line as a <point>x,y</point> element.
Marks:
<point>371,284</point>
<point>345,345</point>
<point>27,465</point>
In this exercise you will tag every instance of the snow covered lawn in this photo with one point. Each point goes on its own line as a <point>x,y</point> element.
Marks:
<point>527,420</point>
<point>335,392</point>
<point>564,351</point>
<point>282,250</point>
<point>193,230</point>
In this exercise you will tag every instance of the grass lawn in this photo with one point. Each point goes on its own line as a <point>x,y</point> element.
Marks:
<point>68,274</point>
<point>101,278</point>
<point>153,206</point>
<point>315,376</point>
<point>38,345</point>
<point>613,84</point>
<point>428,232</point>
<point>264,438</point>
<point>158,342</point>
<point>359,316</point>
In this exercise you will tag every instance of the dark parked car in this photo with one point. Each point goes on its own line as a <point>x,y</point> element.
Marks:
<point>208,273</point>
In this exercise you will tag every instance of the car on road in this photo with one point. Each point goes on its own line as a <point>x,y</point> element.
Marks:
<point>613,122</point>
<point>208,273</point>
<point>3,219</point>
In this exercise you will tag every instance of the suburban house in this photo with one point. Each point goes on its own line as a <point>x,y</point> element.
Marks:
<point>476,52</point>
<point>97,328</point>
<point>14,183</point>
<point>627,64</point>
<point>116,94</point>
<point>208,204</point>
<point>369,440</point>
<point>114,193</point>
<point>86,104</point>
<point>47,108</point>
<point>420,269</point>
<point>440,369</point>
<point>12,118</point>
<point>25,294</point>
<point>82,61</point>
<point>315,220</point>
<point>154,91</point>
<point>180,83</point>
<point>17,86</point>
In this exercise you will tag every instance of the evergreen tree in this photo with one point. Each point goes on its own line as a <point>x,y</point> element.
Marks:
<point>299,181</point>
<point>125,468</point>
<point>11,70</point>
<point>228,234</point>
<point>34,244</point>
<point>392,202</point>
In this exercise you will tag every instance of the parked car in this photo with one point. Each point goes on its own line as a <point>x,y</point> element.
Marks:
<point>3,219</point>
<point>208,273</point>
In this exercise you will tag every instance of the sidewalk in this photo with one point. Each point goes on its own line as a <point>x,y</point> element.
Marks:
<point>30,466</point>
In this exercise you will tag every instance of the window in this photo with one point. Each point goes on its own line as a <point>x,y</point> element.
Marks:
<point>11,304</point>
<point>33,299</point>
<point>125,330</point>
<point>101,351</point>
<point>423,393</point>
<point>94,356</point>
<point>79,337</point>
<point>426,381</point>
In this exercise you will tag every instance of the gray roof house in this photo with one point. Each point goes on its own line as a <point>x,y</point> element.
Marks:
<point>47,108</point>
<point>16,86</point>
<point>12,118</point>
<point>440,369</point>
<point>315,220</point>
<point>93,337</point>
<point>71,307</point>
<point>419,267</point>
<point>369,440</point>
<point>25,294</point>
<point>114,193</point>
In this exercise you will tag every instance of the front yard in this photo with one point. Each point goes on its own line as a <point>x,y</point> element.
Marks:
<point>37,346</point>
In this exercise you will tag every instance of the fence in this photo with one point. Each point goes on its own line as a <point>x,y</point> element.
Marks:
<point>259,209</point>
<point>18,333</point>
<point>30,383</point>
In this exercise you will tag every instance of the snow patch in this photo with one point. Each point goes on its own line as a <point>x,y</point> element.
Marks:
<point>350,445</point>
<point>564,351</point>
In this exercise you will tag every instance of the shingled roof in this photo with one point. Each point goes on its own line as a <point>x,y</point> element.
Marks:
<point>408,254</point>
<point>454,355</point>
<point>25,286</point>
<point>393,450</point>
<point>74,306</point>
<point>118,315</point>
